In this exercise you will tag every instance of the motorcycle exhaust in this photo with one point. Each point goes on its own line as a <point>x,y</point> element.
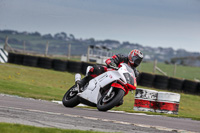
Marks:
<point>77,77</point>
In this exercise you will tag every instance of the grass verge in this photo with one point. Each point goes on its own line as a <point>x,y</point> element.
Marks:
<point>18,128</point>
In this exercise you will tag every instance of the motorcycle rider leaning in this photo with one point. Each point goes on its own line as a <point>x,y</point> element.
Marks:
<point>133,59</point>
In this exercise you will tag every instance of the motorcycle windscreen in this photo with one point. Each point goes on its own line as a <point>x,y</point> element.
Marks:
<point>129,78</point>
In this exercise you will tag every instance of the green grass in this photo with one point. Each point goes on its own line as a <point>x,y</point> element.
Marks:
<point>51,85</point>
<point>18,128</point>
<point>185,72</point>
<point>34,82</point>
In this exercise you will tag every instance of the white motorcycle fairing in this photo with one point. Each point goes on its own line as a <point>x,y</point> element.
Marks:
<point>104,91</point>
<point>91,92</point>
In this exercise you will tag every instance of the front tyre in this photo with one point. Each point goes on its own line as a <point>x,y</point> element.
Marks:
<point>70,99</point>
<point>108,102</point>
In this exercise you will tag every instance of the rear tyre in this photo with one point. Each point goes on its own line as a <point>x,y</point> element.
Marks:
<point>70,99</point>
<point>106,103</point>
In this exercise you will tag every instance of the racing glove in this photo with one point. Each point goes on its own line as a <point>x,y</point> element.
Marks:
<point>111,64</point>
<point>137,73</point>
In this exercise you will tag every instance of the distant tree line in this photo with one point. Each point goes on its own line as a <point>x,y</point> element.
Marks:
<point>58,44</point>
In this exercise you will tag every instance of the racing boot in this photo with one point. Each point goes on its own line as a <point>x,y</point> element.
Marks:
<point>81,83</point>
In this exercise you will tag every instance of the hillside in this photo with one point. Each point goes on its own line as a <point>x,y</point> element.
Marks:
<point>58,45</point>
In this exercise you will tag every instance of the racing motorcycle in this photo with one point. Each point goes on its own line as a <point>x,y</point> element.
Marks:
<point>104,91</point>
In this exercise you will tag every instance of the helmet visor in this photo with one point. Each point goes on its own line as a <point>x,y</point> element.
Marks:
<point>137,60</point>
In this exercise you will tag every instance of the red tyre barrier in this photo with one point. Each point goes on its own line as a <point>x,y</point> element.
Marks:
<point>154,101</point>
<point>145,100</point>
<point>167,103</point>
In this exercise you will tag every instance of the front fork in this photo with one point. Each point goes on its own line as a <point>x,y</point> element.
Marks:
<point>110,90</point>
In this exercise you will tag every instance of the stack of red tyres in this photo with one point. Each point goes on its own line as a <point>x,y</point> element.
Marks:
<point>145,100</point>
<point>167,103</point>
<point>154,101</point>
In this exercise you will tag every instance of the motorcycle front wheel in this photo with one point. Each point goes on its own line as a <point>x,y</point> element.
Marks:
<point>70,99</point>
<point>108,102</point>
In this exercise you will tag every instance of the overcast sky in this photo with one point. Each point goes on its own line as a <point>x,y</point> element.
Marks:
<point>165,23</point>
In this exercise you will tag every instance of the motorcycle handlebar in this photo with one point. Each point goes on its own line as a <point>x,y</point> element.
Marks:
<point>115,68</point>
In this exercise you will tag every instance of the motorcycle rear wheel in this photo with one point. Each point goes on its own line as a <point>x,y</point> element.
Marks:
<point>106,103</point>
<point>70,99</point>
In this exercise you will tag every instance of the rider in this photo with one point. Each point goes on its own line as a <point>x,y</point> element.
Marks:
<point>133,59</point>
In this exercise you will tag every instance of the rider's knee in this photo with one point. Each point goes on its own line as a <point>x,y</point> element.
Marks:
<point>97,70</point>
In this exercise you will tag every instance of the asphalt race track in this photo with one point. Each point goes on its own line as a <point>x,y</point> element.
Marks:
<point>41,113</point>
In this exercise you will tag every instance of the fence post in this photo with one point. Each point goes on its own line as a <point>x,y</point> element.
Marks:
<point>6,43</point>
<point>154,66</point>
<point>47,48</point>
<point>88,53</point>
<point>174,73</point>
<point>7,47</point>
<point>69,51</point>
<point>157,68</point>
<point>24,45</point>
